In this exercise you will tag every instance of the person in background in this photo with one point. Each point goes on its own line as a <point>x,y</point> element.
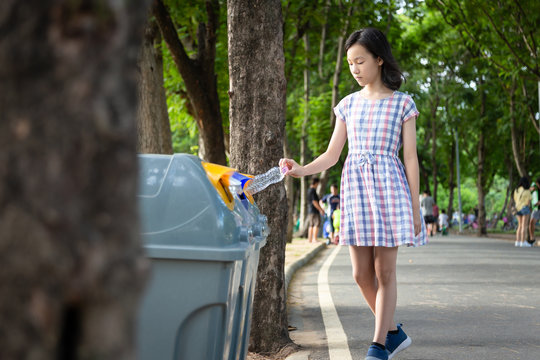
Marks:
<point>336,220</point>
<point>315,211</point>
<point>427,209</point>
<point>535,204</point>
<point>435,227</point>
<point>332,202</point>
<point>522,198</point>
<point>443,222</point>
<point>455,218</point>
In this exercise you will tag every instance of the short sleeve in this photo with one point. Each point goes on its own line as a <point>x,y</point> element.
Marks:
<point>339,110</point>
<point>409,109</point>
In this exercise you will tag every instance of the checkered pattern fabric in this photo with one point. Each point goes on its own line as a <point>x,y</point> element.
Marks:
<point>376,207</point>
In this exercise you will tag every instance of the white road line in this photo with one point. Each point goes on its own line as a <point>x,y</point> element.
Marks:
<point>335,335</point>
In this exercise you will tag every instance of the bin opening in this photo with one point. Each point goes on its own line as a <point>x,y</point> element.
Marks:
<point>223,178</point>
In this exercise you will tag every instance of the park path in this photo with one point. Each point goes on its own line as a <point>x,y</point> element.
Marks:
<point>458,297</point>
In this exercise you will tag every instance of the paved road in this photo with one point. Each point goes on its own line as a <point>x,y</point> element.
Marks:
<point>458,297</point>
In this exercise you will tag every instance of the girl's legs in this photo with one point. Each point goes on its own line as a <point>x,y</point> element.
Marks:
<point>363,268</point>
<point>385,305</point>
<point>374,270</point>
<point>518,231</point>
<point>524,227</point>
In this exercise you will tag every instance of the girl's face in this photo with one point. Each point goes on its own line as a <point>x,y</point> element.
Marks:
<point>364,67</point>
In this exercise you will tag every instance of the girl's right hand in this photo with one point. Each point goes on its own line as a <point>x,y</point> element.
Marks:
<point>293,168</point>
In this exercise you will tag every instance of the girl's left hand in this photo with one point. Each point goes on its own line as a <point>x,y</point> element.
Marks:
<point>417,223</point>
<point>292,167</point>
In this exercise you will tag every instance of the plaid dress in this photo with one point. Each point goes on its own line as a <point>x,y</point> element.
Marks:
<point>376,207</point>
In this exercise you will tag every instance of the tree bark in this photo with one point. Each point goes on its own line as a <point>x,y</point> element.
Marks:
<point>257,125</point>
<point>72,264</point>
<point>518,159</point>
<point>199,77</point>
<point>153,128</point>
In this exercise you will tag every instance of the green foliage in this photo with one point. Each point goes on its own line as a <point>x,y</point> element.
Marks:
<point>451,63</point>
<point>187,15</point>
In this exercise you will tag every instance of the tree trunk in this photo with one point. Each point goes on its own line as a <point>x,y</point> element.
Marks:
<point>424,174</point>
<point>322,43</point>
<point>434,170</point>
<point>153,128</point>
<point>480,184</point>
<point>481,173</point>
<point>257,125</point>
<point>72,264</point>
<point>289,187</point>
<point>451,180</point>
<point>303,141</point>
<point>514,132</point>
<point>510,168</point>
<point>199,77</point>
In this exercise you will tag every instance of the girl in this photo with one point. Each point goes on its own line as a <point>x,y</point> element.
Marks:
<point>379,206</point>
<point>522,198</point>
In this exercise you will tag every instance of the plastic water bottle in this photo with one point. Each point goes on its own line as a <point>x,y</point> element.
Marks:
<point>262,181</point>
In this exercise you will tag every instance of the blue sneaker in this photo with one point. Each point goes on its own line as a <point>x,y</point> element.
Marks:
<point>376,353</point>
<point>397,342</point>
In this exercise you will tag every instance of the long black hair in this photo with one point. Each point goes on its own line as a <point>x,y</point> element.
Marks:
<point>524,182</point>
<point>376,43</point>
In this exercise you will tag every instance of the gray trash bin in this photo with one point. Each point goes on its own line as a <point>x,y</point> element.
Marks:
<point>243,310</point>
<point>204,256</point>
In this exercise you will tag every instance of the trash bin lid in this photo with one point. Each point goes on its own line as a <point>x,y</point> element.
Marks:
<point>179,206</point>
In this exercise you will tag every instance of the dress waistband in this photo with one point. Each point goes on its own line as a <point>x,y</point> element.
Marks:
<point>368,156</point>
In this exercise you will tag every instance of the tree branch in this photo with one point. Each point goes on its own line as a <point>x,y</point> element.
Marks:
<point>212,9</point>
<point>531,26</point>
<point>529,107</point>
<point>183,62</point>
<point>525,40</point>
<point>505,40</point>
<point>469,34</point>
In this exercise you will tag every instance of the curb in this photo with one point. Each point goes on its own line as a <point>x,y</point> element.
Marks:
<point>289,272</point>
<point>301,355</point>
<point>291,269</point>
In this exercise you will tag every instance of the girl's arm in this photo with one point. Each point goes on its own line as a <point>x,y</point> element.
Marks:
<point>410,160</point>
<point>328,159</point>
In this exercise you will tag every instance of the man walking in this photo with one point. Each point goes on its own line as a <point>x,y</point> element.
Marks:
<point>427,208</point>
<point>314,211</point>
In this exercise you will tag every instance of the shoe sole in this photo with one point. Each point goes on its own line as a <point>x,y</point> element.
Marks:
<point>405,344</point>
<point>372,358</point>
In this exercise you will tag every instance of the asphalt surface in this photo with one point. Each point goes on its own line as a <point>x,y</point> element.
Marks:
<point>458,298</point>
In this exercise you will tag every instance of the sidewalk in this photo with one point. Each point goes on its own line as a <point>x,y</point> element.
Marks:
<point>297,254</point>
<point>475,286</point>
<point>300,252</point>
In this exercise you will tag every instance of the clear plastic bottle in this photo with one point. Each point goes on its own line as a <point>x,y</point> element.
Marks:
<point>262,181</point>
